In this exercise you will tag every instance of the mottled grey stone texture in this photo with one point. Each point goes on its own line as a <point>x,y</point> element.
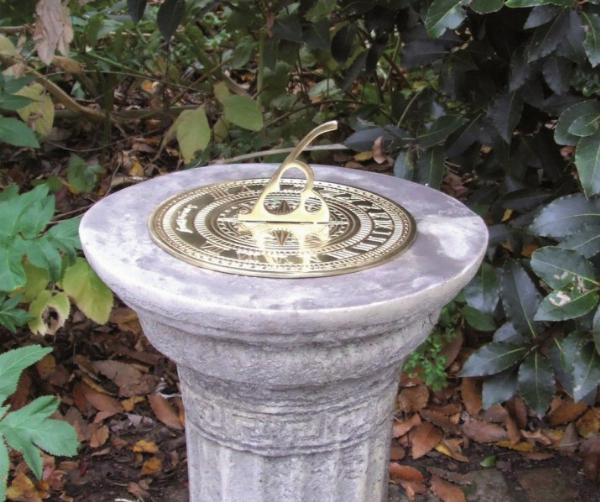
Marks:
<point>288,384</point>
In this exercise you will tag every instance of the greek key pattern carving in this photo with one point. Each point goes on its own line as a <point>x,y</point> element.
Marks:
<point>269,431</point>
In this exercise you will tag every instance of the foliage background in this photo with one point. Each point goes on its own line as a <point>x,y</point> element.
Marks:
<point>493,101</point>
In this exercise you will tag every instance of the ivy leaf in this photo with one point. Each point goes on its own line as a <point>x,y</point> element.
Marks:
<point>16,133</point>
<point>486,6</point>
<point>493,358</point>
<point>536,382</point>
<point>11,316</point>
<point>46,303</point>
<point>431,167</point>
<point>483,291</point>
<point>564,304</point>
<point>566,216</point>
<point>90,294</point>
<point>562,267</point>
<point>586,242</point>
<point>499,388</point>
<point>587,160</point>
<point>591,43</point>
<point>570,115</point>
<point>505,113</point>
<point>443,15</point>
<point>136,9</point>
<point>520,298</point>
<point>169,17</point>
<point>12,364</point>
<point>192,131</point>
<point>546,38</point>
<point>81,176</point>
<point>243,112</point>
<point>440,130</point>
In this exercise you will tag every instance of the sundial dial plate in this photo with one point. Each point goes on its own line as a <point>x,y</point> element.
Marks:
<point>203,227</point>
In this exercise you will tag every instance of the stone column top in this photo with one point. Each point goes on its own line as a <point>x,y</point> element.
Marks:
<point>449,245</point>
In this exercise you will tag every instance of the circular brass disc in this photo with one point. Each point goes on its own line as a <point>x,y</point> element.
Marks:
<point>200,226</point>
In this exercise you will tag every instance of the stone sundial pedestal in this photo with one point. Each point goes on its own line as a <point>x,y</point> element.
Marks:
<point>288,377</point>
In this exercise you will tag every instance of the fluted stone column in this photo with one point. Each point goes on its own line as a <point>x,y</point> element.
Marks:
<point>288,384</point>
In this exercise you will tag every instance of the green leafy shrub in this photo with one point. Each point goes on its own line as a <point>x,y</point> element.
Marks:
<point>29,429</point>
<point>39,266</point>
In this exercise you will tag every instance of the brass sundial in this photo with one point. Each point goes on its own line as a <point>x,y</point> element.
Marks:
<point>282,227</point>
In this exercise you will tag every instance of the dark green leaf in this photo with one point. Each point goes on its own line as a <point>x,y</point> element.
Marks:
<point>12,364</point>
<point>587,160</point>
<point>356,68</point>
<point>566,119</point>
<point>431,167</point>
<point>136,9</point>
<point>582,361</point>
<point>169,17</point>
<point>16,133</point>
<point>483,292</point>
<point>405,165</point>
<point>243,111</point>
<point>486,6</point>
<point>12,102</point>
<point>546,38</point>
<point>440,130</point>
<point>82,177</point>
<point>507,333</point>
<point>536,382</point>
<point>586,242</point>
<point>12,273</point>
<point>499,388</point>
<point>316,35</point>
<point>492,358</point>
<point>478,320</point>
<point>4,466</point>
<point>540,15</point>
<point>562,267</point>
<point>596,330</point>
<point>520,298</point>
<point>520,70</point>
<point>585,125</point>
<point>557,73</point>
<point>537,3</point>
<point>591,42</point>
<point>505,113</point>
<point>566,216</point>
<point>525,199</point>
<point>561,305</point>
<point>288,28</point>
<point>443,15</point>
<point>341,44</point>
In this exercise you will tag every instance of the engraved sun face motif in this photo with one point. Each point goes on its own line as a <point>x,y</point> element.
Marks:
<point>202,227</point>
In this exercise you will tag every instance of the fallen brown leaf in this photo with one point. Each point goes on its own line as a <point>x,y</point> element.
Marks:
<point>451,448</point>
<point>125,318</point>
<point>137,490</point>
<point>514,434</point>
<point>446,491</point>
<point>164,411</point>
<point>446,422</point>
<point>402,427</point>
<point>537,436</point>
<point>413,488</point>
<point>451,349</point>
<point>22,489</point>
<point>424,438</point>
<point>412,399</point>
<point>46,366</point>
<point>483,432</point>
<point>470,390</point>
<point>145,446</point>
<point>100,401</point>
<point>152,466</point>
<point>404,472</point>
<point>523,446</point>
<point>567,411</point>
<point>569,440</point>
<point>517,408</point>
<point>589,423</point>
<point>495,413</point>
<point>397,452</point>
<point>591,466</point>
<point>130,380</point>
<point>99,435</point>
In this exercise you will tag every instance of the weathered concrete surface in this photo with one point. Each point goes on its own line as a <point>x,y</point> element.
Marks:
<point>288,384</point>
